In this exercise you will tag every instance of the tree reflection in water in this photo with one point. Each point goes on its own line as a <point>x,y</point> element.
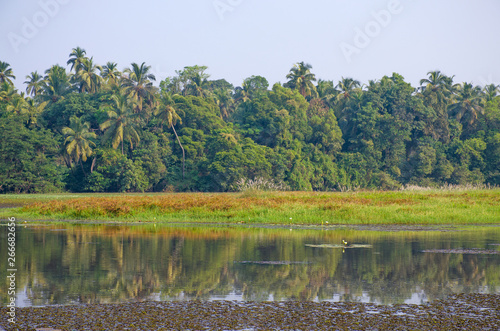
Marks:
<point>102,263</point>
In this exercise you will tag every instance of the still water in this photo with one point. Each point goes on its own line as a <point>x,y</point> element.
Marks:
<point>109,263</point>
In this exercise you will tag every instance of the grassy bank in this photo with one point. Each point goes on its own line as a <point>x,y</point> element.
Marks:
<point>402,207</point>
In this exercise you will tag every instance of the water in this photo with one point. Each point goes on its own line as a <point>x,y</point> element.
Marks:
<point>109,263</point>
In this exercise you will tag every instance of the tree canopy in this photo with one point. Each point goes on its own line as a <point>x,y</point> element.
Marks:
<point>91,127</point>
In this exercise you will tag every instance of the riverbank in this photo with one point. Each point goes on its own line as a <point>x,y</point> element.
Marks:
<point>462,311</point>
<point>311,208</point>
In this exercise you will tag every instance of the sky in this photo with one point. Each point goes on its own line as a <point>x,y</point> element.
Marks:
<point>362,39</point>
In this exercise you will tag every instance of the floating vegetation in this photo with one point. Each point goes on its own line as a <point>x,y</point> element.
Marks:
<point>273,262</point>
<point>462,251</point>
<point>340,246</point>
<point>458,312</point>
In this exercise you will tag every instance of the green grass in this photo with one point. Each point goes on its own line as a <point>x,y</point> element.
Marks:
<point>310,208</point>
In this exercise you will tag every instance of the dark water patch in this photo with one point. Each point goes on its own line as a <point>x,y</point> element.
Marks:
<point>461,251</point>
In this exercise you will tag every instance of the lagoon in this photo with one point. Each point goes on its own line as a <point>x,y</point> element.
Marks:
<point>110,263</point>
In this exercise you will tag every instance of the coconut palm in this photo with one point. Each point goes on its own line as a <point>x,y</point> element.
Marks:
<point>87,77</point>
<point>34,82</point>
<point>469,102</point>
<point>437,91</point>
<point>121,124</point>
<point>167,114</point>
<point>76,58</point>
<point>225,101</point>
<point>34,109</point>
<point>78,140</point>
<point>6,74</point>
<point>7,92</point>
<point>110,73</point>
<point>17,104</point>
<point>490,91</point>
<point>301,79</point>
<point>346,88</point>
<point>138,85</point>
<point>197,86</point>
<point>437,84</point>
<point>56,84</point>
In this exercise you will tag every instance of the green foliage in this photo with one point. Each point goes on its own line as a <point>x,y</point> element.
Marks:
<point>28,158</point>
<point>115,173</point>
<point>196,134</point>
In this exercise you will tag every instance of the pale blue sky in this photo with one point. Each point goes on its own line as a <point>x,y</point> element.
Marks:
<point>240,38</point>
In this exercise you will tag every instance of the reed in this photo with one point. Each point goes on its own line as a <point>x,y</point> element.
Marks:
<point>473,206</point>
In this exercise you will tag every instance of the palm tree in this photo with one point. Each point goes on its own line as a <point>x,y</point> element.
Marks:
<point>7,92</point>
<point>78,140</point>
<point>438,84</point>
<point>346,87</point>
<point>121,123</point>
<point>301,79</point>
<point>17,104</point>
<point>490,91</point>
<point>76,59</point>
<point>34,109</point>
<point>56,84</point>
<point>34,83</point>
<point>197,86</point>
<point>468,104</point>
<point>167,114</point>
<point>89,80</point>
<point>225,101</point>
<point>6,74</point>
<point>138,85</point>
<point>193,80</point>
<point>436,92</point>
<point>110,73</point>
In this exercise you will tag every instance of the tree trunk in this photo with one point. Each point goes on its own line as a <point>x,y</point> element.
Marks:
<point>183,154</point>
<point>93,165</point>
<point>81,164</point>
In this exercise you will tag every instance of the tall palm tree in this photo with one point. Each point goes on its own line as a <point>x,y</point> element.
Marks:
<point>138,85</point>
<point>346,87</point>
<point>6,73</point>
<point>438,84</point>
<point>468,104</point>
<point>110,73</point>
<point>167,114</point>
<point>17,104</point>
<point>88,78</point>
<point>34,82</point>
<point>301,79</point>
<point>78,143</point>
<point>437,91</point>
<point>197,86</point>
<point>121,124</point>
<point>193,80</point>
<point>76,59</point>
<point>225,101</point>
<point>490,91</point>
<point>7,92</point>
<point>56,84</point>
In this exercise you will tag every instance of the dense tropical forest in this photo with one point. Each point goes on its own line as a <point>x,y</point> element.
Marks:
<point>93,128</point>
